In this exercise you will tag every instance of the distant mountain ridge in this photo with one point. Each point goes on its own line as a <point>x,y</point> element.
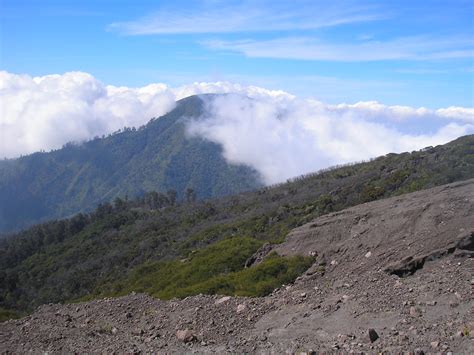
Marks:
<point>157,157</point>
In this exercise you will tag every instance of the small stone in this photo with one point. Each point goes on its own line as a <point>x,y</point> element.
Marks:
<point>138,332</point>
<point>372,334</point>
<point>431,303</point>
<point>114,330</point>
<point>241,308</point>
<point>303,294</point>
<point>368,254</point>
<point>185,336</point>
<point>434,344</point>
<point>414,312</point>
<point>403,338</point>
<point>334,262</point>
<point>459,334</point>
<point>222,300</point>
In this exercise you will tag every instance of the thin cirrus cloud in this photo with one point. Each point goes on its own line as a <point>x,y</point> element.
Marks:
<point>278,134</point>
<point>249,17</point>
<point>305,48</point>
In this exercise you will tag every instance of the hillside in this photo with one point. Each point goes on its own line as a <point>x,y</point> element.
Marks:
<point>156,157</point>
<point>388,276</point>
<point>173,249</point>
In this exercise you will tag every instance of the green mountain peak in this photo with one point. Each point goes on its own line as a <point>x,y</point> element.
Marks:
<point>159,156</point>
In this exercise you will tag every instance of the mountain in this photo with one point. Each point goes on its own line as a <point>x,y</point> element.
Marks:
<point>187,248</point>
<point>158,156</point>
<point>382,277</point>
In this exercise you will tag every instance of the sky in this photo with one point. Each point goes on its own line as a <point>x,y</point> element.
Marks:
<point>329,82</point>
<point>405,52</point>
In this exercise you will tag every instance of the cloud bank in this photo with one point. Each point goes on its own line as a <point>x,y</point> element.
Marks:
<point>289,137</point>
<point>278,134</point>
<point>43,113</point>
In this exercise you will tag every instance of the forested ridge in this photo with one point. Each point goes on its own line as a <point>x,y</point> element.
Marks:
<point>167,247</point>
<point>158,156</point>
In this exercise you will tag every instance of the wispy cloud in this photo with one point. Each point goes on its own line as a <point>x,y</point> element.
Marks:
<point>249,17</point>
<point>305,48</point>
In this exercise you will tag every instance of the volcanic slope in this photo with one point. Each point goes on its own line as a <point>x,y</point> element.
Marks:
<point>401,267</point>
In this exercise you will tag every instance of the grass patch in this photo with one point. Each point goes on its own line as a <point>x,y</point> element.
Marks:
<point>257,281</point>
<point>217,269</point>
<point>6,314</point>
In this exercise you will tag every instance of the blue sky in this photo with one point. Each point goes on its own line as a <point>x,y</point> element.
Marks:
<point>417,53</point>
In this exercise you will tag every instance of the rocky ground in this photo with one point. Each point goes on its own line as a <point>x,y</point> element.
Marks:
<point>392,275</point>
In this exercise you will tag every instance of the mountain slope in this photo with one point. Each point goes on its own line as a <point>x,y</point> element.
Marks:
<point>352,299</point>
<point>158,156</point>
<point>133,245</point>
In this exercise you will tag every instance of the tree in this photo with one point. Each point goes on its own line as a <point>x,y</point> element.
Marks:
<point>190,195</point>
<point>120,204</point>
<point>171,194</point>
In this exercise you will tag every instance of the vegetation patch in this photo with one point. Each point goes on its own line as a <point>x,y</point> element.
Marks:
<point>217,269</point>
<point>6,314</point>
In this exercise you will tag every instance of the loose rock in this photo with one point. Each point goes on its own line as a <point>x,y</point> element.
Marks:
<point>185,335</point>
<point>372,334</point>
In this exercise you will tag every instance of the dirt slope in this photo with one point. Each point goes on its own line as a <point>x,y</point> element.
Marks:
<point>401,266</point>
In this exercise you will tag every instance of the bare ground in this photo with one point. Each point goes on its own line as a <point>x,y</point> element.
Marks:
<point>401,266</point>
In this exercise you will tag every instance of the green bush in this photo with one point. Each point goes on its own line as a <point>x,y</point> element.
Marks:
<point>6,314</point>
<point>217,269</point>
<point>256,281</point>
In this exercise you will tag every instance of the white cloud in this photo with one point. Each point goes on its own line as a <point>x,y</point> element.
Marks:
<point>277,133</point>
<point>46,112</point>
<point>290,137</point>
<point>459,113</point>
<point>249,17</point>
<point>305,48</point>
